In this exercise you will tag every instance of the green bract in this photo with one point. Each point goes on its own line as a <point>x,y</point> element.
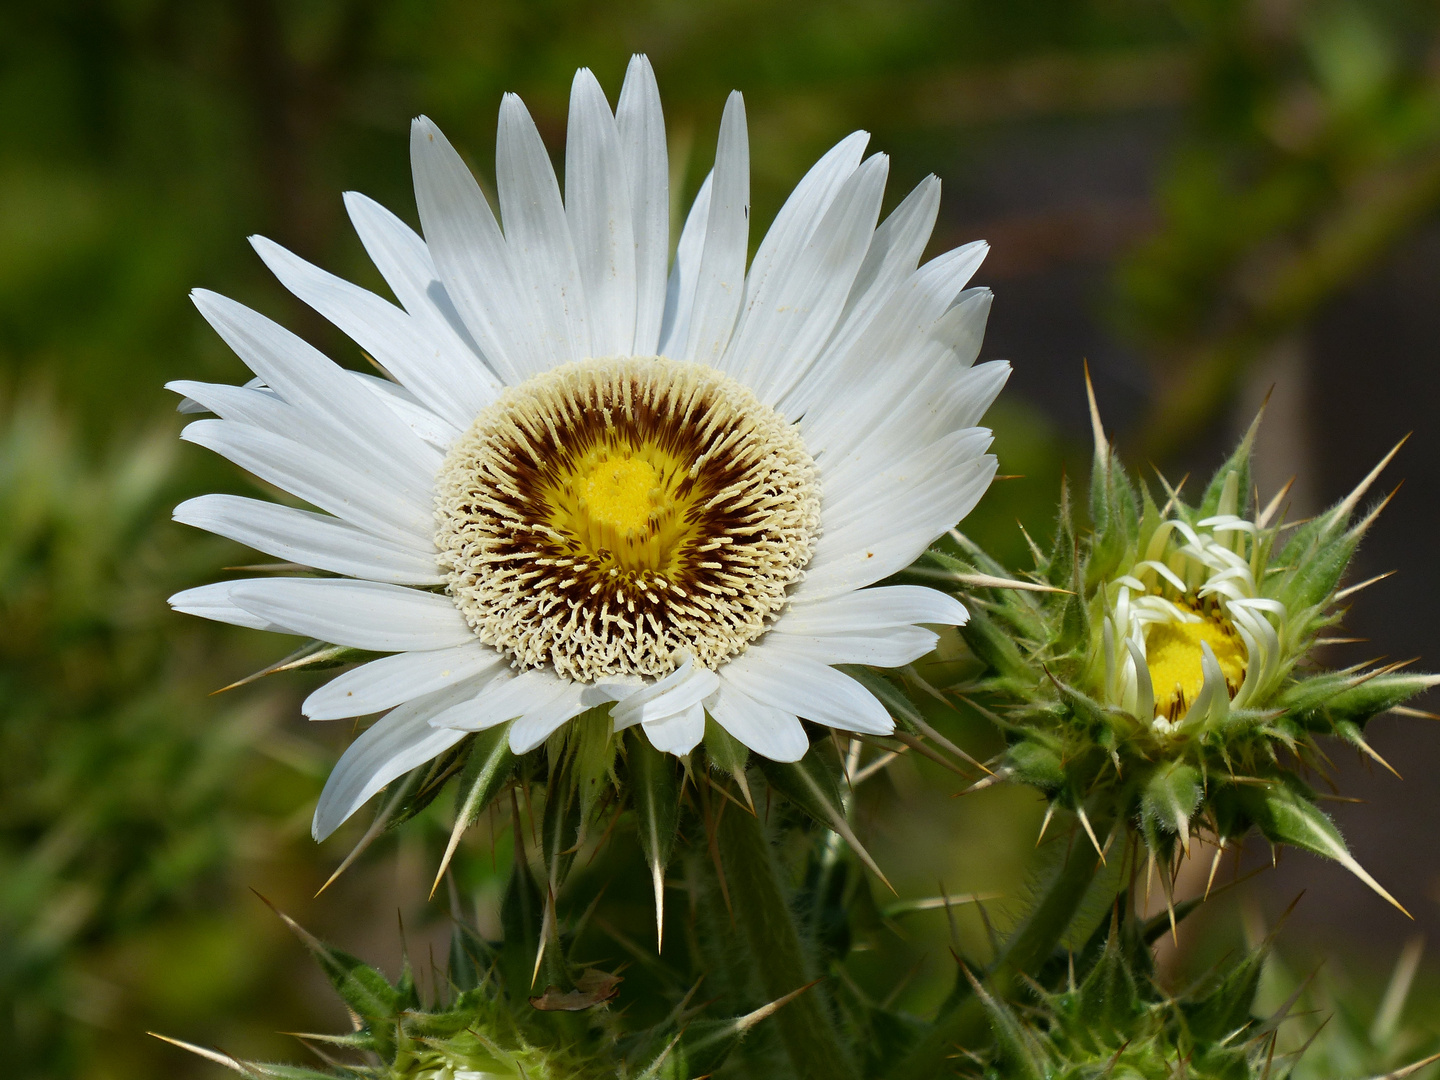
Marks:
<point>1164,677</point>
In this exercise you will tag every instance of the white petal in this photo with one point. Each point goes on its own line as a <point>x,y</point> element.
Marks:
<point>793,314</point>
<point>943,401</point>
<point>950,401</point>
<point>869,550</point>
<point>360,614</point>
<point>535,692</point>
<point>542,718</point>
<point>469,252</point>
<point>538,239</point>
<point>894,253</point>
<point>404,261</point>
<point>677,733</point>
<point>870,609</point>
<point>433,428</point>
<point>720,284</point>
<point>687,685</point>
<point>309,539</point>
<point>1144,688</point>
<point>396,743</point>
<point>768,731</point>
<point>327,482</point>
<point>215,602</point>
<point>862,372</point>
<point>685,274</point>
<point>535,727</point>
<point>786,240</point>
<point>647,166</point>
<point>902,486</point>
<point>892,647</point>
<point>803,211</point>
<point>307,379</point>
<point>597,206</point>
<point>386,682</point>
<point>807,688</point>
<point>402,345</point>
<point>261,407</point>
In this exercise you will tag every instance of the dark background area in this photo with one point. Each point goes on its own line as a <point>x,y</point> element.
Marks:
<point>1203,200</point>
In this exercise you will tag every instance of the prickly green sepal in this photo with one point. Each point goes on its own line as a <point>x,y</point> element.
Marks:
<point>1362,700</point>
<point>560,828</point>
<point>896,701</point>
<point>432,782</point>
<point>365,991</point>
<point>593,747</point>
<point>1038,765</point>
<point>655,791</point>
<point>1108,1000</point>
<point>724,751</point>
<point>1318,570</point>
<point>1228,1008</point>
<point>470,957</point>
<point>1114,515</point>
<point>812,784</point>
<point>1171,795</point>
<point>522,917</point>
<point>992,645</point>
<point>489,768</point>
<point>1229,489</point>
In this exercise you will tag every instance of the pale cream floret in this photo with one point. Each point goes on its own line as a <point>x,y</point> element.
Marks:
<point>607,514</point>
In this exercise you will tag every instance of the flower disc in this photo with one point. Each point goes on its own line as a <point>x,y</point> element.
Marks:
<point>607,513</point>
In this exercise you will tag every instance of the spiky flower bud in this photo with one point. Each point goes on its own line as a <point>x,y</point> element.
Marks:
<point>1168,678</point>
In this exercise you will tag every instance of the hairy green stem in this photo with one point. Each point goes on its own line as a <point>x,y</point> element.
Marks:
<point>1029,945</point>
<point>767,928</point>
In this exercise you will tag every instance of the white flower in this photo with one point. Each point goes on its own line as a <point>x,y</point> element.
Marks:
<point>590,480</point>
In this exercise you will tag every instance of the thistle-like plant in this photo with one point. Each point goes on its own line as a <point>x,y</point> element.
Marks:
<point>1165,676</point>
<point>484,1024</point>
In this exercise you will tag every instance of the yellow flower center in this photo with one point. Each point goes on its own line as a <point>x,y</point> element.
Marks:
<point>610,513</point>
<point>1173,655</point>
<point>624,503</point>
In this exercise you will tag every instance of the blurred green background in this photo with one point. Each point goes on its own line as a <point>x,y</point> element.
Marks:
<point>1205,199</point>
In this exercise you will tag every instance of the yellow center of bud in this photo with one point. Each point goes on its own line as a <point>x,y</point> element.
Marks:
<point>1173,654</point>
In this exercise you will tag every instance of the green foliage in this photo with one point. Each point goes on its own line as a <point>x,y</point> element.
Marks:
<point>126,791</point>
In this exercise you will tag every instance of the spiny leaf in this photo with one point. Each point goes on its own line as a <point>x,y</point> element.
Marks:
<point>593,739</point>
<point>366,991</point>
<point>729,755</point>
<point>522,916</point>
<point>655,790</point>
<point>1234,474</point>
<point>256,1070</point>
<point>811,785</point>
<point>312,656</point>
<point>1109,996</point>
<point>703,1046</point>
<point>1228,1007</point>
<point>470,956</point>
<point>488,769</point>
<point>1287,817</point>
<point>1358,703</point>
<point>1017,1046</point>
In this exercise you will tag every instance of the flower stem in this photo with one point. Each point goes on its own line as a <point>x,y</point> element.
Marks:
<point>1029,945</point>
<point>767,928</point>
